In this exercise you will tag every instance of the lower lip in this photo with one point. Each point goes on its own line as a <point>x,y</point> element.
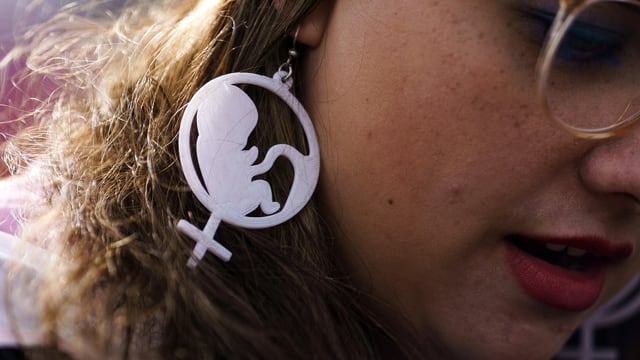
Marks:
<point>553,285</point>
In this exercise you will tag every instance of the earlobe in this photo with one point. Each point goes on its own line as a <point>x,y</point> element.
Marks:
<point>313,26</point>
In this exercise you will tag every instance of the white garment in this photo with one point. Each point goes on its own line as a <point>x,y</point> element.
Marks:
<point>19,264</point>
<point>24,327</point>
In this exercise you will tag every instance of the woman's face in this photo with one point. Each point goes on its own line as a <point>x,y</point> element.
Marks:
<point>439,169</point>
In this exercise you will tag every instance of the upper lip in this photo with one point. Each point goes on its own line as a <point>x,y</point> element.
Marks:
<point>597,246</point>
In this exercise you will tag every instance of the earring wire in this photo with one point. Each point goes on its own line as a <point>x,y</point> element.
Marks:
<point>293,54</point>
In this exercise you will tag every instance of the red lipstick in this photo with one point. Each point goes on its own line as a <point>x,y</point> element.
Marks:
<point>569,277</point>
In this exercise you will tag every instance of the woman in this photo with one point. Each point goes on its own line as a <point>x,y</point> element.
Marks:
<point>452,219</point>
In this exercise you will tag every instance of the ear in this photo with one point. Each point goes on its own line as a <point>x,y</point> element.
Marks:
<point>313,26</point>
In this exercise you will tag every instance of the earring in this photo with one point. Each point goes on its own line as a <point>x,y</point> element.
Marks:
<point>222,174</point>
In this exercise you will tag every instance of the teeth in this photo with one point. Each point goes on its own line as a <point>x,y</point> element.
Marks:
<point>556,247</point>
<point>576,252</point>
<point>571,251</point>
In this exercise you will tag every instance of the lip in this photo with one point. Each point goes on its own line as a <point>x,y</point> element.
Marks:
<point>560,287</point>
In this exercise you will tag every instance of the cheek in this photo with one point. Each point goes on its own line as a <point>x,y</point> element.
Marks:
<point>418,175</point>
<point>411,147</point>
<point>398,152</point>
<point>409,192</point>
<point>427,144</point>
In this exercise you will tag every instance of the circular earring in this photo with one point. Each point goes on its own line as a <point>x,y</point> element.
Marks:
<point>222,174</point>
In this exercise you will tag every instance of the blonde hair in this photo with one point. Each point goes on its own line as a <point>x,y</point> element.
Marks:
<point>107,142</point>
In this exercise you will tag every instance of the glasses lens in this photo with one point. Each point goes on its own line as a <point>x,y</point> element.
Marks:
<point>594,80</point>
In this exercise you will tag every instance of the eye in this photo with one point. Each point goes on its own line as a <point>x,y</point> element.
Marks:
<point>586,41</point>
<point>590,42</point>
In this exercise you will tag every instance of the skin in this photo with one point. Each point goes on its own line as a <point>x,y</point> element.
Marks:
<point>434,150</point>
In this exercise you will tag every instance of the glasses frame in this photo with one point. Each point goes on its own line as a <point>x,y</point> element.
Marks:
<point>568,11</point>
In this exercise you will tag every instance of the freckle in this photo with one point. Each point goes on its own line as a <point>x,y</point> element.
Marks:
<point>516,124</point>
<point>481,35</point>
<point>369,135</point>
<point>455,192</point>
<point>390,202</point>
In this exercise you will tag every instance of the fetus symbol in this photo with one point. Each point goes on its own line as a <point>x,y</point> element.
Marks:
<point>225,117</point>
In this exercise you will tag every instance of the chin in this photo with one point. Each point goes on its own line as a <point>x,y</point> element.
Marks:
<point>537,334</point>
<point>505,350</point>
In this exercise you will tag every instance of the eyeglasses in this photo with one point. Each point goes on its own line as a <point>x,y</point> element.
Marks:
<point>589,69</point>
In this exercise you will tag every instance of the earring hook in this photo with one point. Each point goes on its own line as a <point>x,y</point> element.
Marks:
<point>292,54</point>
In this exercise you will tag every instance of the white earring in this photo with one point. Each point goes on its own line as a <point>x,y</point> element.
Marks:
<point>225,116</point>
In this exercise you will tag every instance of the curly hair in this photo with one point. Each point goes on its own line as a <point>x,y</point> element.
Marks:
<point>106,141</point>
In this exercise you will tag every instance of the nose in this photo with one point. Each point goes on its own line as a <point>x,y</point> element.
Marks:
<point>613,166</point>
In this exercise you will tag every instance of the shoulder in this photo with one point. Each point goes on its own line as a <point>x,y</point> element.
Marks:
<point>19,264</point>
<point>19,322</point>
